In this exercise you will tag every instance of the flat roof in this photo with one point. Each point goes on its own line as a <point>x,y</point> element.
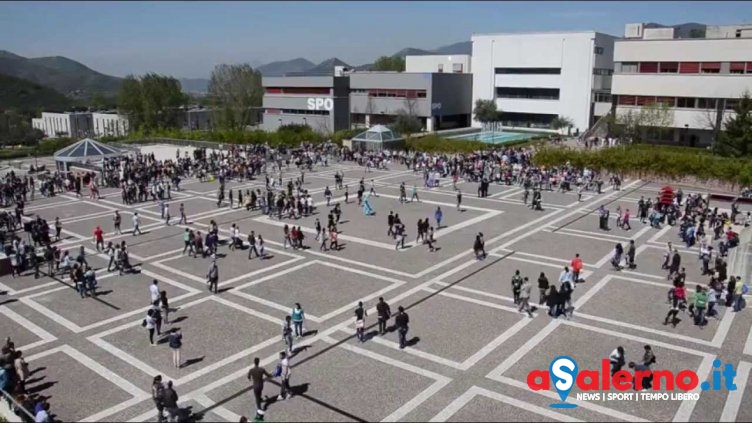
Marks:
<point>492,34</point>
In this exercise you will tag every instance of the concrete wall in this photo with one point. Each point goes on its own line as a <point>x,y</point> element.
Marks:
<point>684,50</point>
<point>572,52</point>
<point>432,63</point>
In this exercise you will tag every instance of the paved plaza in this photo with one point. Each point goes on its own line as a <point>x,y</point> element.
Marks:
<point>469,351</point>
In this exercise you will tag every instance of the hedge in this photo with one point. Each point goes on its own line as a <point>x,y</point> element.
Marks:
<point>646,161</point>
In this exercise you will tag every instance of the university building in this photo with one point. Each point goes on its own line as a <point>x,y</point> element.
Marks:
<point>700,76</point>
<point>536,77</point>
<point>353,99</point>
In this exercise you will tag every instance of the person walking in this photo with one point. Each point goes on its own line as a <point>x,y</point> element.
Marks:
<point>516,286</point>
<point>287,333</point>
<point>99,238</point>
<point>524,297</point>
<point>384,313</point>
<point>402,320</point>
<point>438,215</point>
<point>212,276</point>
<point>617,360</point>
<point>576,265</point>
<point>542,287</point>
<point>167,214</point>
<point>118,220</point>
<point>459,200</point>
<point>150,324</point>
<point>284,377</point>
<point>298,315</point>
<point>171,403</point>
<point>700,303</point>
<point>183,219</point>
<point>165,306</point>
<point>136,223</point>
<point>157,395</point>
<point>360,322</point>
<point>256,376</point>
<point>176,341</point>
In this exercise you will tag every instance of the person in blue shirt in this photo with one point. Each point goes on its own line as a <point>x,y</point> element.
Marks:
<point>438,215</point>
<point>298,315</point>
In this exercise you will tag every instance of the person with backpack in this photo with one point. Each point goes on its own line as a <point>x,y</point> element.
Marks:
<point>516,286</point>
<point>384,313</point>
<point>212,275</point>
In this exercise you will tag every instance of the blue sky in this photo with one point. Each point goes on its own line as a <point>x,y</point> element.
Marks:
<point>187,39</point>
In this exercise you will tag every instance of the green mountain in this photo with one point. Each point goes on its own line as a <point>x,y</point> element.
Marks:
<point>25,96</point>
<point>61,74</point>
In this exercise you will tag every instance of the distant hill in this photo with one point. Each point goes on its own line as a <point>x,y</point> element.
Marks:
<point>281,68</point>
<point>61,74</point>
<point>326,67</point>
<point>26,96</point>
<point>305,67</point>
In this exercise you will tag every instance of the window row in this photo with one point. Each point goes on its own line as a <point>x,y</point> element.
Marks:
<point>680,102</point>
<point>297,112</point>
<point>528,71</point>
<point>298,90</point>
<point>603,71</point>
<point>397,93</point>
<point>686,67</point>
<point>601,97</point>
<point>528,93</point>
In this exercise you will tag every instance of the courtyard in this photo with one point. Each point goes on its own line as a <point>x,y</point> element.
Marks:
<point>469,352</point>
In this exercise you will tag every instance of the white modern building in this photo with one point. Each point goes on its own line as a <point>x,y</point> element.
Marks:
<point>699,78</point>
<point>68,124</point>
<point>535,77</point>
<point>109,124</point>
<point>456,63</point>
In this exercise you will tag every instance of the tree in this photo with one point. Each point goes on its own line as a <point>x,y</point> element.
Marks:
<point>235,91</point>
<point>637,125</point>
<point>152,101</point>
<point>562,122</point>
<point>15,128</point>
<point>486,112</point>
<point>389,63</point>
<point>736,138</point>
<point>407,123</point>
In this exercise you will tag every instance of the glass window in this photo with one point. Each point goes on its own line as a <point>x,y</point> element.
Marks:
<point>629,67</point>
<point>686,102</point>
<point>598,50</point>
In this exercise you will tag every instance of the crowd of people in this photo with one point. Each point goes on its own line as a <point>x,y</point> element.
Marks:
<point>142,178</point>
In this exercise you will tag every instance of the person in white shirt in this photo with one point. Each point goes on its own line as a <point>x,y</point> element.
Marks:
<point>154,291</point>
<point>167,214</point>
<point>136,223</point>
<point>284,377</point>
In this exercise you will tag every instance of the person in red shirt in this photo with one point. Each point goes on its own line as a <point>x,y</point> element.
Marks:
<point>576,265</point>
<point>99,238</point>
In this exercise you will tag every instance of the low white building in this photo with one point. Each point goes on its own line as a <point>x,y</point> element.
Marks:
<point>535,77</point>
<point>455,63</point>
<point>110,124</point>
<point>699,78</point>
<point>68,124</point>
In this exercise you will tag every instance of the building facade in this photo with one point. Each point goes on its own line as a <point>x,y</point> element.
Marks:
<point>535,77</point>
<point>363,99</point>
<point>69,124</point>
<point>699,79</point>
<point>456,63</point>
<point>109,124</point>
<point>321,102</point>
